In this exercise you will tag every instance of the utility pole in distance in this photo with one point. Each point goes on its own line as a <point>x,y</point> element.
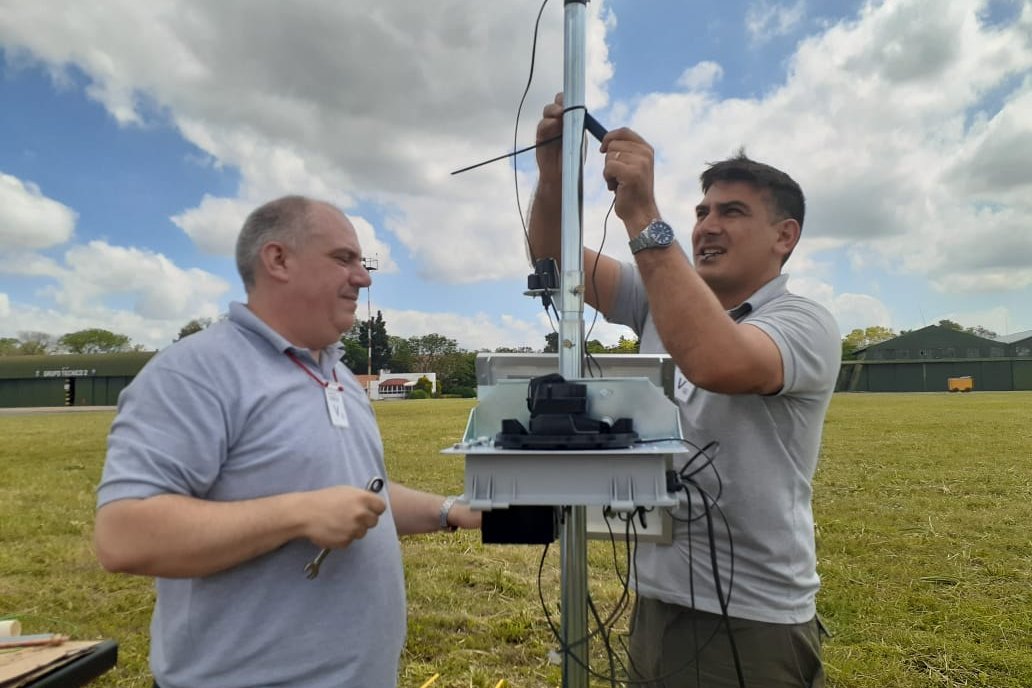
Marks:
<point>370,264</point>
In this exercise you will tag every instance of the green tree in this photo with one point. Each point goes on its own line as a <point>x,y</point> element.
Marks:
<point>860,339</point>
<point>9,346</point>
<point>551,343</point>
<point>424,384</point>
<point>381,350</point>
<point>429,350</point>
<point>458,373</point>
<point>950,325</point>
<point>981,332</point>
<point>36,343</point>
<point>94,341</point>
<point>402,356</point>
<point>356,357</point>
<point>193,327</point>
<point>626,345</point>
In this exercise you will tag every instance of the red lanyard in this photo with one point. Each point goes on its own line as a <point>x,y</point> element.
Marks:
<point>309,373</point>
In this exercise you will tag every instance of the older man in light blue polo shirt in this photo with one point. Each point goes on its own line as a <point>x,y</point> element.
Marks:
<point>241,451</point>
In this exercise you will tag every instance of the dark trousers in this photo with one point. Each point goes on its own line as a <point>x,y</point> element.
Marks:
<point>677,647</point>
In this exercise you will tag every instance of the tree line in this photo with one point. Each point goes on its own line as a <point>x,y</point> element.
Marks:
<point>454,366</point>
<point>89,341</point>
<point>368,349</point>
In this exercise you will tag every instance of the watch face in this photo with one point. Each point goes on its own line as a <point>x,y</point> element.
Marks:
<point>661,232</point>
<point>658,234</point>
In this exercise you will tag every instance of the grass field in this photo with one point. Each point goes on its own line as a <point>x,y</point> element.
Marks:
<point>923,505</point>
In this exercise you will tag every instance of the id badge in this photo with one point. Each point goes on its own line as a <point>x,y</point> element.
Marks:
<point>335,405</point>
<point>683,387</point>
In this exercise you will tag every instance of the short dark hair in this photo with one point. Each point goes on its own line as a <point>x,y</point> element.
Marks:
<point>786,197</point>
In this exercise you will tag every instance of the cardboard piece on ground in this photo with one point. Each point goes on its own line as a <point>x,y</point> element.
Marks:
<point>19,667</point>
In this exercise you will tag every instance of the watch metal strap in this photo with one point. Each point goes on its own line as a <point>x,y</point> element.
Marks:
<point>446,506</point>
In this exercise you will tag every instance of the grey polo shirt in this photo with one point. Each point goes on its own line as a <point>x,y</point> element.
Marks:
<point>768,447</point>
<point>226,415</point>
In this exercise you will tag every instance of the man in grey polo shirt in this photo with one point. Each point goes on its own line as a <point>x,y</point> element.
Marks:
<point>756,370</point>
<point>241,451</point>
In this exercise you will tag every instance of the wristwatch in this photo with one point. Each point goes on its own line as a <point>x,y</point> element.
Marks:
<point>657,234</point>
<point>446,506</point>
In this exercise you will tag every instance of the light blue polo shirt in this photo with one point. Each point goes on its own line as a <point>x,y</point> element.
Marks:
<point>226,415</point>
<point>766,461</point>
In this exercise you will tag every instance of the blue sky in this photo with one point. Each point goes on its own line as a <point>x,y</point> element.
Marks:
<point>138,135</point>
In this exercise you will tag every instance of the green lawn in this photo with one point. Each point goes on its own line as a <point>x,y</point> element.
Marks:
<point>923,504</point>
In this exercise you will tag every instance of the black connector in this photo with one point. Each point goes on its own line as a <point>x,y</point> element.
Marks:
<point>545,275</point>
<point>673,481</point>
<point>593,127</point>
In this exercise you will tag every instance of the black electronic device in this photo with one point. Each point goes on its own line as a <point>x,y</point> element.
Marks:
<point>559,420</point>
<point>544,281</point>
<point>520,525</point>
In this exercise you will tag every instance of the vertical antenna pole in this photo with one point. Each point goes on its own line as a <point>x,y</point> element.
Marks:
<point>370,264</point>
<point>573,539</point>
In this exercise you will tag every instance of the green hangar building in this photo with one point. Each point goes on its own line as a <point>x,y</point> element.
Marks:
<point>926,360</point>
<point>67,380</point>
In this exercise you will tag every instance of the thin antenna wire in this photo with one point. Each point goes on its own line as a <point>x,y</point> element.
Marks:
<point>516,131</point>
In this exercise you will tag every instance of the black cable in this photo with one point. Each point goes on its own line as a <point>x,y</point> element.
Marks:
<point>594,287</point>
<point>724,603</point>
<point>603,628</point>
<point>605,641</point>
<point>516,129</point>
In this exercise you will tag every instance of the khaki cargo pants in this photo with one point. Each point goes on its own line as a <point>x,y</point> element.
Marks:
<point>677,647</point>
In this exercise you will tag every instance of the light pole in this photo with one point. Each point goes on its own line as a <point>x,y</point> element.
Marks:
<point>370,264</point>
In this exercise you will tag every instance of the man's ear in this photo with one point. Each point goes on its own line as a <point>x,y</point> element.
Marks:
<point>788,236</point>
<point>273,257</point>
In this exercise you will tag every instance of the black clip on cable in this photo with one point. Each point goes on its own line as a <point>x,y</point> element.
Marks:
<point>544,281</point>
<point>593,127</point>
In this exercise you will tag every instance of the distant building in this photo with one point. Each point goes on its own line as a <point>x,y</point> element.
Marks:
<point>68,380</point>
<point>388,385</point>
<point>97,379</point>
<point>925,359</point>
<point>1019,344</point>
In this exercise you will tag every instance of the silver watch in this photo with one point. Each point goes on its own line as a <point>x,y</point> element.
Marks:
<point>657,234</point>
<point>446,506</point>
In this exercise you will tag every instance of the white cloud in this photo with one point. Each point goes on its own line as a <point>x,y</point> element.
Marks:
<point>908,126</point>
<point>851,310</point>
<point>126,290</point>
<point>881,139</point>
<point>30,220</point>
<point>996,319</point>
<point>215,223</point>
<point>384,115</point>
<point>701,76</point>
<point>150,333</point>
<point>765,20</point>
<point>159,290</point>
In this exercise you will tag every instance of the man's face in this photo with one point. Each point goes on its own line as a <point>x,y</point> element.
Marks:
<point>327,275</point>
<point>737,245</point>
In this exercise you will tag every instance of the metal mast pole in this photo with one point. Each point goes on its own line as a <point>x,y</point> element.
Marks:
<point>573,542</point>
<point>370,264</point>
